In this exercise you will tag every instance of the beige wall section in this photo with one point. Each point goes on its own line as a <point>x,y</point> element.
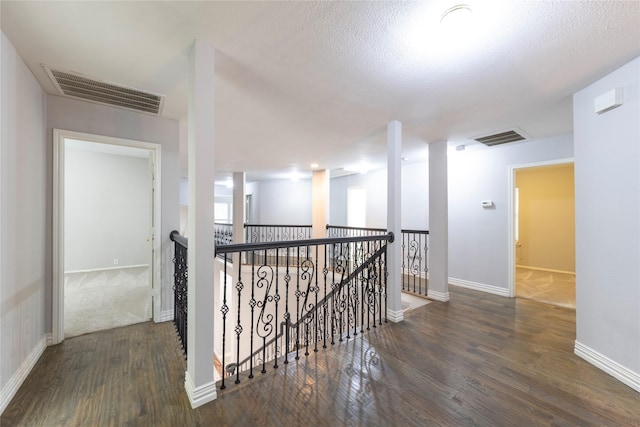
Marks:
<point>547,218</point>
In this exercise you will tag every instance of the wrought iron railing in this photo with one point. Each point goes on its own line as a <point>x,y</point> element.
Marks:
<point>335,289</point>
<point>223,233</point>
<point>414,261</point>
<point>414,254</point>
<point>344,231</point>
<point>258,233</point>
<point>180,285</point>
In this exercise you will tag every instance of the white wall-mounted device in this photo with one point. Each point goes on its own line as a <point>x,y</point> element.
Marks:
<point>608,101</point>
<point>487,203</point>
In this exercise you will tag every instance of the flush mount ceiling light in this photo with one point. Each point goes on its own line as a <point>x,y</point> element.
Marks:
<point>457,16</point>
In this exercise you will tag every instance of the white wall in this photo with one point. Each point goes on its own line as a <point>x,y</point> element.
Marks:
<point>607,177</point>
<point>283,202</point>
<point>375,183</point>
<point>25,255</point>
<point>478,238</point>
<point>107,198</point>
<point>414,197</point>
<point>80,116</point>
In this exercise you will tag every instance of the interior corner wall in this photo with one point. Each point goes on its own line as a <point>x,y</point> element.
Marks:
<point>478,237</point>
<point>79,116</point>
<point>607,177</point>
<point>25,251</point>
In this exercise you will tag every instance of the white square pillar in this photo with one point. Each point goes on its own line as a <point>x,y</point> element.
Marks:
<point>438,223</point>
<point>199,378</point>
<point>394,221</point>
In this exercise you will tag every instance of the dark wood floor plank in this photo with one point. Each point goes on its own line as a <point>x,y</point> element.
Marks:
<point>477,360</point>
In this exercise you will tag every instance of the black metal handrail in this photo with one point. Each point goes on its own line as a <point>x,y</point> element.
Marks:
<point>275,233</point>
<point>231,367</point>
<point>180,286</point>
<point>245,247</point>
<point>323,294</point>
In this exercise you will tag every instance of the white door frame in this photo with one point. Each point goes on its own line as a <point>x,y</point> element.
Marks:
<point>511,221</point>
<point>59,137</point>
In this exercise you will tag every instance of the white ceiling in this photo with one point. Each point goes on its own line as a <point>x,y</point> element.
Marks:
<point>303,82</point>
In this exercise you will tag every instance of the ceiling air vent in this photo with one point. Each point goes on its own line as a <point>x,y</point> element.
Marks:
<point>501,138</point>
<point>76,85</point>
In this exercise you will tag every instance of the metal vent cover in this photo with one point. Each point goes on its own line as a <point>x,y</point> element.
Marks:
<point>504,137</point>
<point>79,86</point>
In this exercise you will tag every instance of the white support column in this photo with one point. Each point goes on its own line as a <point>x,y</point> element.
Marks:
<point>319,203</point>
<point>199,378</point>
<point>238,207</point>
<point>394,221</point>
<point>438,223</point>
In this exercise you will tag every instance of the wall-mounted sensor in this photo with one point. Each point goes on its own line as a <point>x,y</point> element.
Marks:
<point>487,203</point>
<point>608,101</point>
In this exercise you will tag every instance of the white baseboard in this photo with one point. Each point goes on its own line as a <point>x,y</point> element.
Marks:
<point>437,295</point>
<point>550,270</point>
<point>616,370</point>
<point>11,388</point>
<point>496,290</point>
<point>117,267</point>
<point>198,396</point>
<point>165,316</point>
<point>395,316</point>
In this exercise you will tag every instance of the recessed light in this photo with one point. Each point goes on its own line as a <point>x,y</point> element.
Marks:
<point>314,165</point>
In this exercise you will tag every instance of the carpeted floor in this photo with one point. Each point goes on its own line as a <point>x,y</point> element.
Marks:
<point>105,299</point>
<point>551,288</point>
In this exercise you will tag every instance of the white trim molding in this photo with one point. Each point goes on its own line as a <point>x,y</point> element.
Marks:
<point>491,289</point>
<point>616,370</point>
<point>155,248</point>
<point>165,316</point>
<point>95,270</point>
<point>395,316</point>
<point>13,385</point>
<point>511,221</point>
<point>550,270</point>
<point>198,396</point>
<point>437,295</point>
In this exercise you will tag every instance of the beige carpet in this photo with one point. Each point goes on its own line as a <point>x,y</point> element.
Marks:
<point>105,299</point>
<point>551,288</point>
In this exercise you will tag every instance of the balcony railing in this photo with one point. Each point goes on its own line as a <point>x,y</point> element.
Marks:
<point>415,244</point>
<point>325,290</point>
<point>223,233</point>
<point>258,233</point>
<point>180,286</point>
<point>414,254</point>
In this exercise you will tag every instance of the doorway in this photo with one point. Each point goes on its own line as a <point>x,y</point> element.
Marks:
<point>106,233</point>
<point>542,250</point>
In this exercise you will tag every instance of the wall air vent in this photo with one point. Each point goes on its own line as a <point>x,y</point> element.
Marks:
<point>501,138</point>
<point>79,86</point>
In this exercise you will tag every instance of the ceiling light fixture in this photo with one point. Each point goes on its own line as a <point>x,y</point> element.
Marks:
<point>457,16</point>
<point>314,166</point>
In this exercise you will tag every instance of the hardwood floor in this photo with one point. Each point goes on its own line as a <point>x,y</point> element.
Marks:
<point>478,360</point>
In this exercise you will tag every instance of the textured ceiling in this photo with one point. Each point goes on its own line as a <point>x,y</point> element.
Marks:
<point>302,82</point>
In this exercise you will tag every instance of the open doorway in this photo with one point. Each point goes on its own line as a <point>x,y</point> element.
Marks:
<point>105,233</point>
<point>544,233</point>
